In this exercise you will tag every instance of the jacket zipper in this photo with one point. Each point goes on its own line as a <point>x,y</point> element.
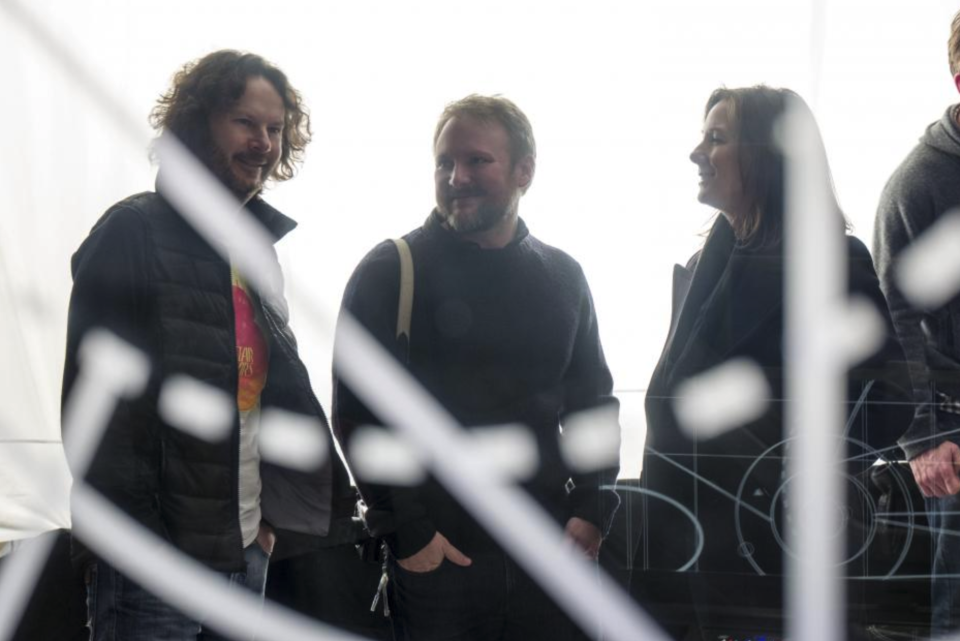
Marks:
<point>236,386</point>
<point>300,369</point>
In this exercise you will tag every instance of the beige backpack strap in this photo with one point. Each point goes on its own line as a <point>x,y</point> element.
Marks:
<point>405,305</point>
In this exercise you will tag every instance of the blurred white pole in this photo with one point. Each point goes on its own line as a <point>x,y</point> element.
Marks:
<point>815,290</point>
<point>21,572</point>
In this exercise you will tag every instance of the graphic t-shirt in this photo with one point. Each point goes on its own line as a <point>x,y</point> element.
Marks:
<point>253,356</point>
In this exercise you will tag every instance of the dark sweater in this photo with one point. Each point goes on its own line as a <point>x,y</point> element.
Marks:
<point>924,187</point>
<point>497,336</point>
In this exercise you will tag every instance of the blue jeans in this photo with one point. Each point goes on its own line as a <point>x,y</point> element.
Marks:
<point>944,516</point>
<point>120,610</point>
<point>491,600</point>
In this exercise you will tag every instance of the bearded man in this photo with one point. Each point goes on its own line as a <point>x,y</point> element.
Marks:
<point>148,277</point>
<point>502,331</point>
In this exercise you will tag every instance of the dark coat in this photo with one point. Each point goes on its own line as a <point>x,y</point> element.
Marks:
<point>728,303</point>
<point>144,274</point>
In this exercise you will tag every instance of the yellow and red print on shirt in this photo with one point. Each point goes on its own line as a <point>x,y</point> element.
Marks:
<point>252,349</point>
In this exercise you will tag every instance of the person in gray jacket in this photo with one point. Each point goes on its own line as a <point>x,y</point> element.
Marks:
<point>923,189</point>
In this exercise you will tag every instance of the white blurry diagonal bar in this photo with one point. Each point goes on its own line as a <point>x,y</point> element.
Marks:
<point>519,524</point>
<point>215,213</point>
<point>21,571</point>
<point>110,369</point>
<point>185,583</point>
<point>815,286</point>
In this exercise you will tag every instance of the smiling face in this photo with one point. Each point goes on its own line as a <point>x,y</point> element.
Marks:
<point>478,184</point>
<point>718,160</point>
<point>247,139</point>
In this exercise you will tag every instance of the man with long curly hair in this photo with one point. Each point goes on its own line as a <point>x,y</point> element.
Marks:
<point>147,276</point>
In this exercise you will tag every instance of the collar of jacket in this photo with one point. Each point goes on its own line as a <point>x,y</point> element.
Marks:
<point>276,223</point>
<point>433,228</point>
<point>755,292</point>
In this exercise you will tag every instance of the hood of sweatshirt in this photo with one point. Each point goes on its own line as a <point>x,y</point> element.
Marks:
<point>945,133</point>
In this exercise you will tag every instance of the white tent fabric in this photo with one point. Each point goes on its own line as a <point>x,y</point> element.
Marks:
<point>615,116</point>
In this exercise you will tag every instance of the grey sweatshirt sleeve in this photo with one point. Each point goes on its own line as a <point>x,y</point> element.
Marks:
<point>588,385</point>
<point>907,210</point>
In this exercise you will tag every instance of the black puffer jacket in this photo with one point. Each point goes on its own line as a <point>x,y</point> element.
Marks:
<point>147,276</point>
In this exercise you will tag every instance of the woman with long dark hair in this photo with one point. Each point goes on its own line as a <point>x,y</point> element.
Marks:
<point>717,522</point>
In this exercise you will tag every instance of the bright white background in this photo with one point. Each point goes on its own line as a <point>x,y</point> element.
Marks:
<point>615,92</point>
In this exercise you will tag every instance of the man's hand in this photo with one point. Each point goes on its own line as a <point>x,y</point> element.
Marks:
<point>584,535</point>
<point>936,470</point>
<point>432,555</point>
<point>266,538</point>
